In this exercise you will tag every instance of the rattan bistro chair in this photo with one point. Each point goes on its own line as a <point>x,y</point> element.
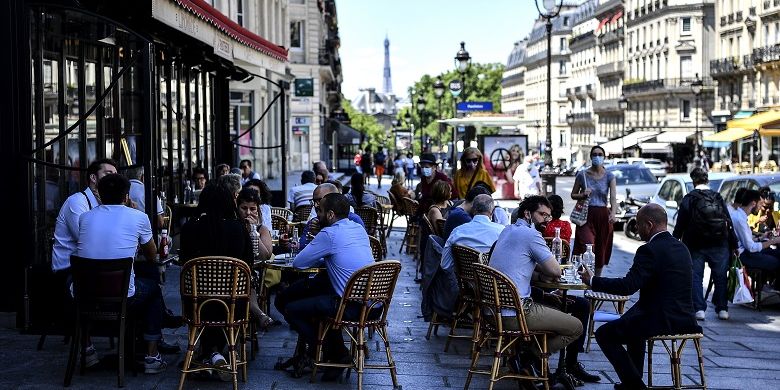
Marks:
<point>675,351</point>
<point>497,293</point>
<point>376,248</point>
<point>411,237</point>
<point>597,300</point>
<point>370,218</point>
<point>371,289</point>
<point>100,295</point>
<point>215,293</point>
<point>465,259</point>
<point>396,212</point>
<point>287,214</point>
<point>279,223</point>
<point>302,212</point>
<point>314,228</point>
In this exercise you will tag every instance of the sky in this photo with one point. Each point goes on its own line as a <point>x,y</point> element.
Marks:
<point>424,37</point>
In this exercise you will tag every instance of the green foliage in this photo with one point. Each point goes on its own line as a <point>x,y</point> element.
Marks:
<point>482,82</point>
<point>373,133</point>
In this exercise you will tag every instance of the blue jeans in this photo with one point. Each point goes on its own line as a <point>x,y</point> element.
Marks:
<point>718,260</point>
<point>147,302</point>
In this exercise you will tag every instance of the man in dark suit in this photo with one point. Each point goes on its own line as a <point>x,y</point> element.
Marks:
<point>662,273</point>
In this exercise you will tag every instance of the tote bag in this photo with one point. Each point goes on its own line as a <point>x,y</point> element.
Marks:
<point>579,215</point>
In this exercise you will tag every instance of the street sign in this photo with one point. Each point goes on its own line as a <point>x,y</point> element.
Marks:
<point>475,106</point>
<point>455,87</point>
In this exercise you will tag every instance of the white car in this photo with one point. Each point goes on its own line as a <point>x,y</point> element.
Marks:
<point>674,187</point>
<point>656,166</point>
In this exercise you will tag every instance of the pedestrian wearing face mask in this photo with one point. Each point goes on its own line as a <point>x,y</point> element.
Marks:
<point>430,175</point>
<point>472,171</point>
<point>595,184</point>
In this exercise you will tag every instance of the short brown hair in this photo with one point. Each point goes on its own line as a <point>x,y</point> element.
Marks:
<point>441,191</point>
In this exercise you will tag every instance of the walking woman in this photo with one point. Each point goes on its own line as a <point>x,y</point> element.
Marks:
<point>471,172</point>
<point>595,183</point>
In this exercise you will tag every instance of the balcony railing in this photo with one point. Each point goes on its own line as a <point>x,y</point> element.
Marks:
<point>325,57</point>
<point>580,117</point>
<point>722,21</point>
<point>608,105</point>
<point>661,85</point>
<point>731,18</point>
<point>724,66</point>
<point>612,36</point>
<point>765,54</point>
<point>514,79</point>
<point>609,69</point>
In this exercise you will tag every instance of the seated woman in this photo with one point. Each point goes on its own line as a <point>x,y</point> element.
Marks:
<point>472,170</point>
<point>265,200</point>
<point>216,232</point>
<point>441,206</point>
<point>556,222</point>
<point>398,189</point>
<point>357,195</point>
<point>248,201</point>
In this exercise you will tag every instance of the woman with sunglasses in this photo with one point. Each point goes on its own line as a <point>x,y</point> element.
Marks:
<point>471,172</point>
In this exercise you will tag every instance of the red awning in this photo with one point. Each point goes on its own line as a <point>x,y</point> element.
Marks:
<point>212,16</point>
<point>602,23</point>
<point>617,17</point>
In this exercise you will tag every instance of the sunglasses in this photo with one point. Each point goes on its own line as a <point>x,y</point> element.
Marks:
<point>472,160</point>
<point>243,167</point>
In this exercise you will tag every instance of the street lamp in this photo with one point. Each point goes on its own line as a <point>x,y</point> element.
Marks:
<point>696,87</point>
<point>420,111</point>
<point>438,91</point>
<point>623,105</point>
<point>551,10</point>
<point>462,62</point>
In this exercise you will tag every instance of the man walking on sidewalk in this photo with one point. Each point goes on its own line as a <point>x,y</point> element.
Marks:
<point>704,226</point>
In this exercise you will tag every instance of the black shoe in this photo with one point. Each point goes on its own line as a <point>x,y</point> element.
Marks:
<point>166,348</point>
<point>418,280</point>
<point>332,374</point>
<point>578,371</point>
<point>639,386</point>
<point>170,321</point>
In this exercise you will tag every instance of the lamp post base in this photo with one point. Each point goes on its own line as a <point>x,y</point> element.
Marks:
<point>548,181</point>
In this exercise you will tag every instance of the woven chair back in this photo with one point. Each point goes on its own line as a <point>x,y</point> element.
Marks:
<point>496,292</point>
<point>302,213</point>
<point>287,214</point>
<point>410,206</point>
<point>314,228</point>
<point>566,252</point>
<point>376,248</point>
<point>465,259</point>
<point>279,223</point>
<point>215,281</point>
<point>370,218</point>
<point>398,206</point>
<point>372,287</point>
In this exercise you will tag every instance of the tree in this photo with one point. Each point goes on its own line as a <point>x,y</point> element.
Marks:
<point>373,134</point>
<point>482,82</point>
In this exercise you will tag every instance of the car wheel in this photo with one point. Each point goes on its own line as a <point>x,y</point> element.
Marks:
<point>631,229</point>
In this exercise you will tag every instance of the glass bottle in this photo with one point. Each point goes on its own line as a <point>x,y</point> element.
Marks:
<point>188,198</point>
<point>589,258</point>
<point>557,246</point>
<point>163,249</point>
<point>255,239</point>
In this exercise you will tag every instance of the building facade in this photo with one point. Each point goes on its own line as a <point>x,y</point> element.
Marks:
<point>316,90</point>
<point>581,90</point>
<point>513,81</point>
<point>610,57</point>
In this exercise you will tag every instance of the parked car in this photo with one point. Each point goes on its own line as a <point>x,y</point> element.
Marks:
<point>636,179</point>
<point>674,187</point>
<point>656,166</point>
<point>730,186</point>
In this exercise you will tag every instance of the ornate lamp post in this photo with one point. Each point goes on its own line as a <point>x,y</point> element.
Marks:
<point>623,105</point>
<point>420,113</point>
<point>551,10</point>
<point>696,87</point>
<point>438,91</point>
<point>462,62</point>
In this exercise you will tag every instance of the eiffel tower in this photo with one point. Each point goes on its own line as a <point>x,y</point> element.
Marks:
<point>388,84</point>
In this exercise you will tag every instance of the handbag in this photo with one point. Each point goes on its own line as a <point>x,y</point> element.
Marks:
<point>738,288</point>
<point>579,214</point>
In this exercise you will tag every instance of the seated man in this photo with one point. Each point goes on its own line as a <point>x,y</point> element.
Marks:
<point>301,195</point>
<point>661,272</point>
<point>519,251</point>
<point>127,229</point>
<point>479,234</point>
<point>461,213</point>
<point>752,253</point>
<point>342,246</point>
<point>320,192</point>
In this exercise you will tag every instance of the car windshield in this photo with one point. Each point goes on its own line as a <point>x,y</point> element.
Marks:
<point>714,185</point>
<point>631,174</point>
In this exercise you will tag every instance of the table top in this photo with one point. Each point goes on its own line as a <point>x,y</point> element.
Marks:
<point>279,262</point>
<point>386,206</point>
<point>561,285</point>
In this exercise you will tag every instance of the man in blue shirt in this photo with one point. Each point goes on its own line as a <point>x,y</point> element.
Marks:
<point>479,234</point>
<point>462,213</point>
<point>319,192</point>
<point>342,247</point>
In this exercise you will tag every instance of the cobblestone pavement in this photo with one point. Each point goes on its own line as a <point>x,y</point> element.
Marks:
<point>739,354</point>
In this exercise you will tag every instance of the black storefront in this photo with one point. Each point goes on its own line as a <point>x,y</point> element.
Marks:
<point>93,79</point>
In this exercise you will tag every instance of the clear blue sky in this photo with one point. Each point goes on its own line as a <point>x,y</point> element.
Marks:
<point>424,37</point>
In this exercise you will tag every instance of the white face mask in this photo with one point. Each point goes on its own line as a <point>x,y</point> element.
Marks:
<point>427,172</point>
<point>597,160</point>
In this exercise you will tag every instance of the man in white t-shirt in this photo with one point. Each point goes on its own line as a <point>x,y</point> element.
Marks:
<point>113,231</point>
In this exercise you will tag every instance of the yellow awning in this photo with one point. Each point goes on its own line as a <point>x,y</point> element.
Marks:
<point>758,122</point>
<point>728,135</point>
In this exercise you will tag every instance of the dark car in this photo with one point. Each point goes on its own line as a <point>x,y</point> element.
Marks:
<point>730,186</point>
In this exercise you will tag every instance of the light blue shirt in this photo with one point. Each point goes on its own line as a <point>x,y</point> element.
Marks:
<point>479,234</point>
<point>343,247</point>
<point>66,229</point>
<point>519,248</point>
<point>744,234</point>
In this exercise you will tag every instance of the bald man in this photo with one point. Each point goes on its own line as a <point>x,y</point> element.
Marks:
<point>661,272</point>
<point>319,193</point>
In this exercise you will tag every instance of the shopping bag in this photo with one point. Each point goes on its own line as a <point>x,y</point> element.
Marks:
<point>743,293</point>
<point>579,214</point>
<point>733,275</point>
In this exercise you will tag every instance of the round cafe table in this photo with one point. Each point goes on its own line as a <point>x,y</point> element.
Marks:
<point>561,375</point>
<point>283,263</point>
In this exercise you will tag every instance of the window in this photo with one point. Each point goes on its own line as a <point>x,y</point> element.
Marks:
<point>296,34</point>
<point>685,109</point>
<point>583,104</point>
<point>562,68</point>
<point>777,32</point>
<point>686,67</point>
<point>686,25</point>
<point>563,44</point>
<point>766,33</point>
<point>565,20</point>
<point>240,12</point>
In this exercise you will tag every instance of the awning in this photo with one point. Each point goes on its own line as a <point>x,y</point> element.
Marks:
<point>744,114</point>
<point>617,146</point>
<point>756,122</point>
<point>602,23</point>
<point>656,147</point>
<point>487,121</point>
<point>675,137</point>
<point>726,137</point>
<point>616,17</point>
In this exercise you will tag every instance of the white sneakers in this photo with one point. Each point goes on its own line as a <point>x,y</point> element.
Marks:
<point>723,315</point>
<point>700,315</point>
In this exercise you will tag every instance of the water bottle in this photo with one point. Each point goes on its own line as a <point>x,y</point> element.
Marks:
<point>254,237</point>
<point>557,246</point>
<point>188,195</point>
<point>589,258</point>
<point>163,249</point>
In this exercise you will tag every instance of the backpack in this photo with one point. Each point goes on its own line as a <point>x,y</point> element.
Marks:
<point>709,220</point>
<point>380,158</point>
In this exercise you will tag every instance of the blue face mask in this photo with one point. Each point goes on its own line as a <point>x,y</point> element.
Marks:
<point>597,161</point>
<point>427,172</point>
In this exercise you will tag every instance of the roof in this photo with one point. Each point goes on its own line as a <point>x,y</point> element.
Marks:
<point>538,32</point>
<point>585,10</point>
<point>517,55</point>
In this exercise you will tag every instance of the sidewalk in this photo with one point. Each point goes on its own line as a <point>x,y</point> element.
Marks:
<point>741,353</point>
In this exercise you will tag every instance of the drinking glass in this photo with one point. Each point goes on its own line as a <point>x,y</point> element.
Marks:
<point>576,262</point>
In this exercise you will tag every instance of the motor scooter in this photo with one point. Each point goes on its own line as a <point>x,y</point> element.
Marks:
<point>627,216</point>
